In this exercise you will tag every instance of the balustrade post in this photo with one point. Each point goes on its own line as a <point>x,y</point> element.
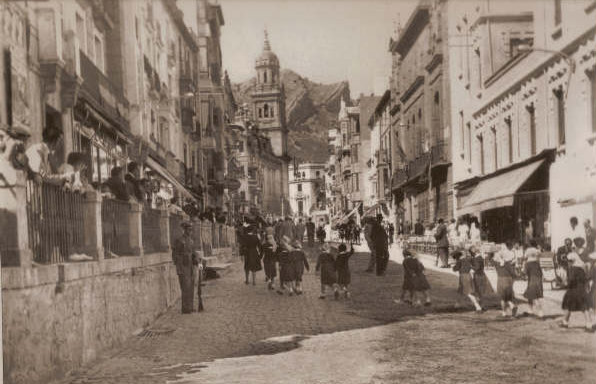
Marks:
<point>14,240</point>
<point>93,234</point>
<point>136,228</point>
<point>164,226</point>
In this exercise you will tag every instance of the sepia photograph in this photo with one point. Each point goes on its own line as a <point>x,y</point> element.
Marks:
<point>298,191</point>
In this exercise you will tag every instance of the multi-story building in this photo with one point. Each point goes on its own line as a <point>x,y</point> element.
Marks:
<point>381,151</point>
<point>307,188</point>
<point>352,151</point>
<point>524,156</point>
<point>420,115</point>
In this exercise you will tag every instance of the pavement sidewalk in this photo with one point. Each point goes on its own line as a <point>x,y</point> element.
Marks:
<point>395,254</point>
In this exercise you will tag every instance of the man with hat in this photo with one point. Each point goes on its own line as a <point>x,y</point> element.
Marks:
<point>380,245</point>
<point>186,261</point>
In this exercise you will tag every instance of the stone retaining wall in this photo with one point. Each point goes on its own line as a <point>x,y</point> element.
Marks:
<point>59,317</point>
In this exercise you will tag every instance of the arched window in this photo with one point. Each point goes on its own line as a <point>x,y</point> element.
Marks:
<point>273,77</point>
<point>265,76</point>
<point>260,112</point>
<point>266,110</point>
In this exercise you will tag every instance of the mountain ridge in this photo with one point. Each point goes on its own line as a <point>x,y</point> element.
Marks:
<point>311,109</point>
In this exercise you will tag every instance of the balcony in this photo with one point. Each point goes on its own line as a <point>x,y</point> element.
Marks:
<point>440,154</point>
<point>187,119</point>
<point>208,142</point>
<point>101,93</point>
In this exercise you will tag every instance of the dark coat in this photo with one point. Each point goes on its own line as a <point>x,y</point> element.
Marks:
<point>287,269</point>
<point>463,265</point>
<point>310,229</point>
<point>441,236</point>
<point>379,239</point>
<point>414,270</point>
<point>534,290</point>
<point>269,260</point>
<point>344,277</point>
<point>326,264</point>
<point>252,253</point>
<point>575,298</point>
<point>300,262</point>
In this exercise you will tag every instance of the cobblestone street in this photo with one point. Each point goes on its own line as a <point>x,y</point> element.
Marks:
<point>239,318</point>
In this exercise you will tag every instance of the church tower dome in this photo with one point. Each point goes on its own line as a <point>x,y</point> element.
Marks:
<point>267,64</point>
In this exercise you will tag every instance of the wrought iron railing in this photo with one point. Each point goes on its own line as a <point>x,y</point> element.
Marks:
<point>115,227</point>
<point>56,222</point>
<point>150,222</point>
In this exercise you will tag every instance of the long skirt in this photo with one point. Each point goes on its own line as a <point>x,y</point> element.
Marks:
<point>187,284</point>
<point>270,269</point>
<point>534,289</point>
<point>465,284</point>
<point>575,299</point>
<point>481,285</point>
<point>505,288</point>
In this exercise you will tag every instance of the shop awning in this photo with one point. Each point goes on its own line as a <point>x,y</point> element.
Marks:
<point>169,177</point>
<point>498,191</point>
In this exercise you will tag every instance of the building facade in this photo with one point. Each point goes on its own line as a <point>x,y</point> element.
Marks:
<point>420,115</point>
<point>524,160</point>
<point>307,188</point>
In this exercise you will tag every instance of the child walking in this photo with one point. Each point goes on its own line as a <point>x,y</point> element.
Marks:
<point>407,284</point>
<point>505,275</point>
<point>534,291</point>
<point>287,274</point>
<point>481,284</point>
<point>463,265</point>
<point>575,299</point>
<point>269,260</point>
<point>343,268</point>
<point>418,283</point>
<point>326,264</point>
<point>300,262</point>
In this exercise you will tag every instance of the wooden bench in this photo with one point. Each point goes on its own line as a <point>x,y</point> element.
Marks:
<point>547,264</point>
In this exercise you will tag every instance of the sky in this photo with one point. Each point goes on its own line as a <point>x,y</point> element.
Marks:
<point>326,41</point>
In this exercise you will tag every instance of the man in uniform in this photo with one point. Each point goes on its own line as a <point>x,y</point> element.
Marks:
<point>186,263</point>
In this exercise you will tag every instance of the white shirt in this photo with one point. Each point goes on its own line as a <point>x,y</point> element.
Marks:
<point>37,154</point>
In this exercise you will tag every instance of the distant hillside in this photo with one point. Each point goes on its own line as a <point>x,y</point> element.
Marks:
<point>310,109</point>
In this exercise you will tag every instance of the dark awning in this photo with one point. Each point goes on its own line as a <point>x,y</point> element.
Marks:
<point>498,191</point>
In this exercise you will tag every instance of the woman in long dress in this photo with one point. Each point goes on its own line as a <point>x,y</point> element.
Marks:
<point>534,291</point>
<point>252,254</point>
<point>575,299</point>
<point>505,275</point>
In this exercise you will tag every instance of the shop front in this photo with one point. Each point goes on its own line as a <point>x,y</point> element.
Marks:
<point>512,204</point>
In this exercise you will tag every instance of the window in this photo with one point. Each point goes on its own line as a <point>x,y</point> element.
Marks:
<point>193,162</point>
<point>260,112</point>
<point>592,76</point>
<point>240,146</point>
<point>469,136</point>
<point>299,187</point>
<point>461,131</point>
<point>81,34</point>
<point>481,146</point>
<point>354,153</point>
<point>300,207</point>
<point>99,55</point>
<point>272,113</point>
<point>273,77</point>
<point>558,12</point>
<point>318,174</point>
<point>509,139</point>
<point>184,150</point>
<point>266,110</point>
<point>495,149</point>
<point>532,124</point>
<point>265,76</point>
<point>560,108</point>
<point>357,187</point>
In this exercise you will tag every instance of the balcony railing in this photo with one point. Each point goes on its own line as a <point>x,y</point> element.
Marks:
<point>56,222</point>
<point>115,227</point>
<point>440,154</point>
<point>95,84</point>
